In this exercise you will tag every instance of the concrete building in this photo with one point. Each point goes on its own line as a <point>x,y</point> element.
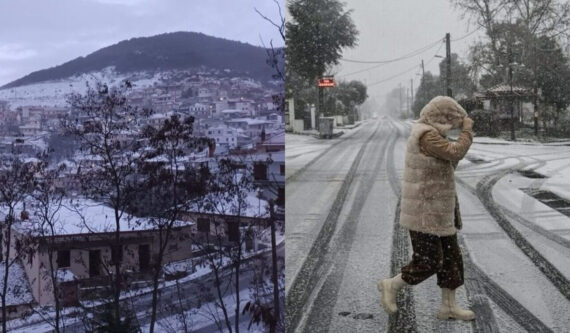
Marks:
<point>83,251</point>
<point>224,135</point>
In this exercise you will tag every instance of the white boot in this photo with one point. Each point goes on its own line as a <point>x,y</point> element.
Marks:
<point>389,289</point>
<point>450,310</point>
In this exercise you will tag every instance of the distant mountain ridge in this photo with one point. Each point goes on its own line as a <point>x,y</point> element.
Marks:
<point>176,50</point>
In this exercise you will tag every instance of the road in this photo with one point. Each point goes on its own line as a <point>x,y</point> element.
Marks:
<point>342,236</point>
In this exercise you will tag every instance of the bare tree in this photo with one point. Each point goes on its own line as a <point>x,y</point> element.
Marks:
<point>542,17</point>
<point>16,179</point>
<point>227,202</point>
<point>48,201</point>
<point>167,186</point>
<point>276,55</point>
<point>109,173</point>
<point>266,298</point>
<point>486,14</point>
<point>276,59</point>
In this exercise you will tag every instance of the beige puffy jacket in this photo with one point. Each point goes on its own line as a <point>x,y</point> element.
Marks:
<point>428,186</point>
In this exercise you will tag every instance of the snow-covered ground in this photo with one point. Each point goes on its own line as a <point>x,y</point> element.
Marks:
<point>301,149</point>
<point>527,254</point>
<point>516,245</point>
<point>18,291</point>
<point>205,317</point>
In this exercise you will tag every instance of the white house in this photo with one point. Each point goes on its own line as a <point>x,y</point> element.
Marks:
<point>224,135</point>
<point>252,127</point>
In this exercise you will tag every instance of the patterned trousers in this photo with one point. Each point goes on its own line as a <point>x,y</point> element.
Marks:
<point>434,255</point>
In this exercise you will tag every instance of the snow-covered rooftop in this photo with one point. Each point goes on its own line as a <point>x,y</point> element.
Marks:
<point>250,121</point>
<point>255,207</point>
<point>278,139</point>
<point>81,216</point>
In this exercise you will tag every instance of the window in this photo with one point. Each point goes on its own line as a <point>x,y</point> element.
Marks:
<point>260,171</point>
<point>94,263</point>
<point>144,257</point>
<point>203,225</point>
<point>281,196</point>
<point>233,230</point>
<point>63,258</point>
<point>116,254</point>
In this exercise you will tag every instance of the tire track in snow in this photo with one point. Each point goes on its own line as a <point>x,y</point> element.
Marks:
<point>321,309</point>
<point>297,173</point>
<point>405,319</point>
<point>484,192</point>
<point>297,297</point>
<point>480,286</point>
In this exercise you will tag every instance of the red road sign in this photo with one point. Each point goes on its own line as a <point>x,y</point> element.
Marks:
<point>326,82</point>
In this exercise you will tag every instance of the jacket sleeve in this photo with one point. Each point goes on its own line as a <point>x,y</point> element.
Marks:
<point>432,143</point>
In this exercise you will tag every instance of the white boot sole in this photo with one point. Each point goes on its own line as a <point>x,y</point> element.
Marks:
<point>451,315</point>
<point>381,287</point>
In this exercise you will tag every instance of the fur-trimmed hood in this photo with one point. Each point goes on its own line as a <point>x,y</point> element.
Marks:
<point>439,112</point>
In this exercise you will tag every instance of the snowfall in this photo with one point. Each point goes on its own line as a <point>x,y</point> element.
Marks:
<point>529,187</point>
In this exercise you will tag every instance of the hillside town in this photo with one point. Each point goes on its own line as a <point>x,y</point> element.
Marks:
<point>232,119</point>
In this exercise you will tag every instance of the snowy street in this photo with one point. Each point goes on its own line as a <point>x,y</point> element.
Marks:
<point>342,235</point>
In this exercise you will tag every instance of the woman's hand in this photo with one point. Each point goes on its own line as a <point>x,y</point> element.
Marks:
<point>467,124</point>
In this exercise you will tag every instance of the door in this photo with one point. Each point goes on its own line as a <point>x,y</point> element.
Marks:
<point>144,257</point>
<point>94,263</point>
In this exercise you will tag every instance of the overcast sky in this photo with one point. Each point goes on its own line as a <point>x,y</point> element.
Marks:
<point>389,29</point>
<point>37,34</point>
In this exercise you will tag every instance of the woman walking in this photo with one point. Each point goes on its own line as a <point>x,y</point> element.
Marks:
<point>429,208</point>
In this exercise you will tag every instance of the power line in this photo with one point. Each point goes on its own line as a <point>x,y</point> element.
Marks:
<point>407,70</point>
<point>362,70</point>
<point>385,63</point>
<point>467,35</point>
<point>405,56</point>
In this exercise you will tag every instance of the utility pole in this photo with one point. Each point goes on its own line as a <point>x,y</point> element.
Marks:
<point>408,104</point>
<point>321,109</point>
<point>400,92</point>
<point>448,61</point>
<point>511,97</point>
<point>412,91</point>
<point>535,92</point>
<point>274,264</point>
<point>423,69</point>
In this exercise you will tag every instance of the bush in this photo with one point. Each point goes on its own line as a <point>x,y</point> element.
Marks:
<point>485,122</point>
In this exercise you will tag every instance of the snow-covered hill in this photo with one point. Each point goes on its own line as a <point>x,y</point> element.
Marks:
<point>54,93</point>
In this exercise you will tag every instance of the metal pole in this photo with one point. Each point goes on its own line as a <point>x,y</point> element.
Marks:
<point>400,91</point>
<point>535,97</point>
<point>412,93</point>
<point>321,109</point>
<point>510,57</point>
<point>448,55</point>
<point>274,261</point>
